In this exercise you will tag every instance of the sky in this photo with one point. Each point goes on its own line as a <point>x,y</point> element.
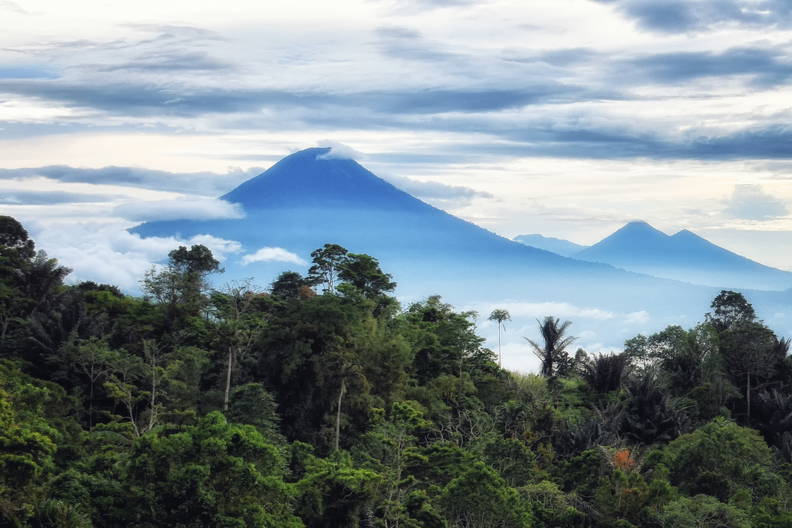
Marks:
<point>561,117</point>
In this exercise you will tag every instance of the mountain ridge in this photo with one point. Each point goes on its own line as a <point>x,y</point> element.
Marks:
<point>559,246</point>
<point>685,256</point>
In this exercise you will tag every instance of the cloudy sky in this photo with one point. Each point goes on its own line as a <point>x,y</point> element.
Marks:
<point>561,117</point>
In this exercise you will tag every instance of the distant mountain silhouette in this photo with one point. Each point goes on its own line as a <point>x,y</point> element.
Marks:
<point>683,256</point>
<point>558,246</point>
<point>311,198</point>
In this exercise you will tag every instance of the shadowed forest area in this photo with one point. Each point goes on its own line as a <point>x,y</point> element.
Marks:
<point>320,402</point>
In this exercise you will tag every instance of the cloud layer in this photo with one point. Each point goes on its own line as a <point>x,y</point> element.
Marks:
<point>181,209</point>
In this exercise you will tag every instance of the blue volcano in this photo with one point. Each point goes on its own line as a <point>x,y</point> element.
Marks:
<point>310,198</point>
<point>683,256</point>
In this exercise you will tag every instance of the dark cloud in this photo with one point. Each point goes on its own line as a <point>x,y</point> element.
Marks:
<point>162,48</point>
<point>674,16</point>
<point>138,99</point>
<point>153,99</point>
<point>171,61</point>
<point>764,66</point>
<point>23,71</point>
<point>770,142</point>
<point>567,56</point>
<point>206,183</point>
<point>765,142</point>
<point>615,142</point>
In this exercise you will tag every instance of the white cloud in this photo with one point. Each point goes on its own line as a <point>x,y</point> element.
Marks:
<point>109,253</point>
<point>641,317</point>
<point>273,254</point>
<point>220,247</point>
<point>188,208</point>
<point>436,193</point>
<point>752,202</point>
<point>13,7</point>
<point>339,151</point>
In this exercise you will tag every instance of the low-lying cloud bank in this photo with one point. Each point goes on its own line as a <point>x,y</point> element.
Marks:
<point>188,208</point>
<point>108,253</point>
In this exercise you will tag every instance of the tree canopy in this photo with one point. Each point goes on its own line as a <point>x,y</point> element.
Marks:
<point>321,402</point>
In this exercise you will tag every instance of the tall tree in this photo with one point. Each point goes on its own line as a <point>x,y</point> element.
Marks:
<point>326,265</point>
<point>181,286</point>
<point>730,308</point>
<point>749,350</point>
<point>500,316</point>
<point>552,352</point>
<point>364,273</point>
<point>240,323</point>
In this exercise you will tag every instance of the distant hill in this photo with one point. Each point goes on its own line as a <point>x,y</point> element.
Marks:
<point>558,246</point>
<point>683,256</point>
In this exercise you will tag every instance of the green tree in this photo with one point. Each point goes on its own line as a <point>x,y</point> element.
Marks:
<point>210,474</point>
<point>387,449</point>
<point>289,286</point>
<point>606,372</point>
<point>481,498</point>
<point>182,284</point>
<point>730,308</point>
<point>28,443</point>
<point>749,351</point>
<point>252,404</point>
<point>552,353</point>
<point>722,459</point>
<point>334,493</point>
<point>326,265</point>
<point>240,322</point>
<point>702,511</point>
<point>364,274</point>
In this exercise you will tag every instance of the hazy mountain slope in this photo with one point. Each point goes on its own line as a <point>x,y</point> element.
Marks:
<point>683,256</point>
<point>308,199</point>
<point>558,246</point>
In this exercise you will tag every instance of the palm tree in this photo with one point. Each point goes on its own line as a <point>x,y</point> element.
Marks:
<point>500,316</point>
<point>605,372</point>
<point>552,354</point>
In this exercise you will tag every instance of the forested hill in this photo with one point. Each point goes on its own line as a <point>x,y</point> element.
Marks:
<point>321,402</point>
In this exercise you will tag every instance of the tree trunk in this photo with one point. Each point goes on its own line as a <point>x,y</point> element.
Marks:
<point>748,397</point>
<point>228,378</point>
<point>338,414</point>
<point>90,401</point>
<point>500,356</point>
<point>153,410</point>
<point>4,326</point>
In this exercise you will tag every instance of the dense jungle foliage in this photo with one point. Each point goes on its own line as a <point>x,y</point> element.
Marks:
<point>320,402</point>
